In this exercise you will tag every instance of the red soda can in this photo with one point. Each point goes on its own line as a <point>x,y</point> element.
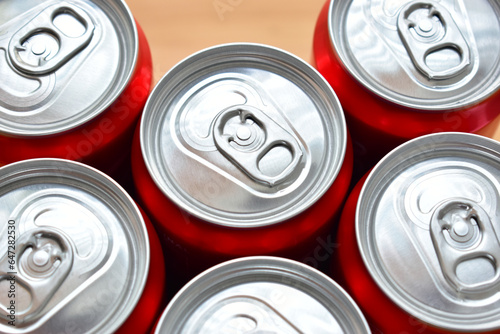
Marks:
<point>419,237</point>
<point>403,69</point>
<point>75,77</point>
<point>262,295</point>
<point>242,150</point>
<point>77,254</point>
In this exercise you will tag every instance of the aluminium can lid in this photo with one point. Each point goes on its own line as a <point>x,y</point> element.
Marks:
<point>262,295</point>
<point>243,135</point>
<point>428,55</point>
<point>427,228</point>
<point>62,63</point>
<point>81,254</point>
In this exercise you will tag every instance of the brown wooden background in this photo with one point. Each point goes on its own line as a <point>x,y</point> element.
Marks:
<point>176,29</point>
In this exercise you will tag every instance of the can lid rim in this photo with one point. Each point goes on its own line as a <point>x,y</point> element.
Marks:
<point>268,269</point>
<point>106,189</point>
<point>372,259</point>
<point>219,53</point>
<point>349,64</point>
<point>127,75</point>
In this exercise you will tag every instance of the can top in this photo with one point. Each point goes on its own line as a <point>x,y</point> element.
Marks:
<point>427,227</point>
<point>81,254</point>
<point>262,295</point>
<point>243,135</point>
<point>62,63</point>
<point>429,55</point>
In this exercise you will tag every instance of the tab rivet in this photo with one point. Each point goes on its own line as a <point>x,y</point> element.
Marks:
<point>461,229</point>
<point>41,258</point>
<point>39,49</point>
<point>243,133</point>
<point>425,25</point>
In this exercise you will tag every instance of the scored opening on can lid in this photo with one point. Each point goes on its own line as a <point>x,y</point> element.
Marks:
<point>243,135</point>
<point>264,295</point>
<point>429,55</point>
<point>427,228</point>
<point>62,63</point>
<point>81,255</point>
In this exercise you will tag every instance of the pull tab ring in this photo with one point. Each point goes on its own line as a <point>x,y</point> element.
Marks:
<point>40,47</point>
<point>433,32</point>
<point>462,233</point>
<point>246,149</point>
<point>44,258</point>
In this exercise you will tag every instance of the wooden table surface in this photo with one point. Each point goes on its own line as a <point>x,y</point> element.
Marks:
<point>176,29</point>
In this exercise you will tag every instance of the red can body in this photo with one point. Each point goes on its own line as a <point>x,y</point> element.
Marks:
<point>103,142</point>
<point>378,125</point>
<point>153,300</point>
<point>192,245</point>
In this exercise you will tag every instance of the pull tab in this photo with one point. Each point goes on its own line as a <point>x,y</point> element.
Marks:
<point>44,258</point>
<point>467,248</point>
<point>50,39</point>
<point>426,28</point>
<point>245,135</point>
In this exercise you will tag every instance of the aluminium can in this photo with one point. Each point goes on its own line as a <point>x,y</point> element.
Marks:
<point>74,77</point>
<point>420,240</point>
<point>242,150</point>
<point>403,69</point>
<point>77,255</point>
<point>262,295</point>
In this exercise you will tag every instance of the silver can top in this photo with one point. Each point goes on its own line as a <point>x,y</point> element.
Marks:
<point>429,55</point>
<point>62,62</point>
<point>427,228</point>
<point>74,249</point>
<point>262,295</point>
<point>243,135</point>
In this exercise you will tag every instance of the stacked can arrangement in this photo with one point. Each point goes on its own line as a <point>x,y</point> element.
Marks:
<point>242,150</point>
<point>418,239</point>
<point>78,255</point>
<point>403,69</point>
